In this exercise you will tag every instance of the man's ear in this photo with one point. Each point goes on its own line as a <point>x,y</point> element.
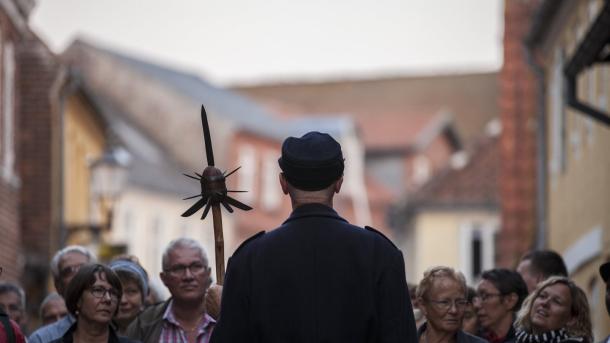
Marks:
<point>511,300</point>
<point>283,183</point>
<point>338,184</point>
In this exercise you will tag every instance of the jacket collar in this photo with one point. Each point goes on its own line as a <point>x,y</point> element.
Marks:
<point>314,210</point>
<point>460,336</point>
<point>68,338</point>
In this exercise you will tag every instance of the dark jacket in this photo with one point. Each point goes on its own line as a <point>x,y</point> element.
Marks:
<point>148,325</point>
<point>112,337</point>
<point>461,336</point>
<point>509,338</point>
<point>316,278</point>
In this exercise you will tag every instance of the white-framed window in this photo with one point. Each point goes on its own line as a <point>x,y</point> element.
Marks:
<point>8,112</point>
<point>477,248</point>
<point>271,191</point>
<point>247,174</point>
<point>558,115</point>
<point>421,169</point>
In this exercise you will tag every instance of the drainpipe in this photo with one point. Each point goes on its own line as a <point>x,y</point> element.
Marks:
<point>541,156</point>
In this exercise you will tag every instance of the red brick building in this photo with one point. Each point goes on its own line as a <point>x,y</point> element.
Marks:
<point>29,152</point>
<point>518,144</point>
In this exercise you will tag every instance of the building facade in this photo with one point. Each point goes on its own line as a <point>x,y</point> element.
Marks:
<point>568,40</point>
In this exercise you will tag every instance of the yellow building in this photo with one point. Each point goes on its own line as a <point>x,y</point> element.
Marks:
<point>568,40</point>
<point>84,140</point>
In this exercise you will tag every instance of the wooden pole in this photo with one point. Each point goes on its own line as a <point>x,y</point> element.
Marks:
<point>219,244</point>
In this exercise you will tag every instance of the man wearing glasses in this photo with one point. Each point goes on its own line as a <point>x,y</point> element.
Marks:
<point>64,266</point>
<point>183,317</point>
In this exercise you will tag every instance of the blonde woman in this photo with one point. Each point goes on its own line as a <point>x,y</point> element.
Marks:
<point>557,311</point>
<point>441,296</point>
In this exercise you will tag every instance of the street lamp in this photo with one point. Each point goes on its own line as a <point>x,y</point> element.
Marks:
<point>108,178</point>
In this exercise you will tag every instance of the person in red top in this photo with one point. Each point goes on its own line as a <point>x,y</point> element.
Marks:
<point>16,332</point>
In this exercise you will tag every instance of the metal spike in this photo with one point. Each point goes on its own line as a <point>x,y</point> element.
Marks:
<point>194,196</point>
<point>192,177</point>
<point>198,205</point>
<point>207,137</point>
<point>228,191</point>
<point>236,169</point>
<point>206,209</point>
<point>237,204</point>
<point>224,203</point>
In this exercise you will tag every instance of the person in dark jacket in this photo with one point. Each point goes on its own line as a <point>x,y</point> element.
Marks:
<point>500,294</point>
<point>556,312</point>
<point>442,297</point>
<point>316,278</point>
<point>92,297</point>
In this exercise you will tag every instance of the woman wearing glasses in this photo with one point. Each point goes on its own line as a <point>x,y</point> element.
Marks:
<point>92,297</point>
<point>441,295</point>
<point>500,294</point>
<point>557,311</point>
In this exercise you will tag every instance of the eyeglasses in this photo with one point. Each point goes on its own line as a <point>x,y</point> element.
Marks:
<point>69,270</point>
<point>179,270</point>
<point>100,292</point>
<point>445,305</point>
<point>484,297</point>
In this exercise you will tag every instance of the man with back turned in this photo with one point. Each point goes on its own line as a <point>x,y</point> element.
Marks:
<point>316,278</point>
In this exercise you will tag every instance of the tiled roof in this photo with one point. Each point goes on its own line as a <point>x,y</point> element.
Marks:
<point>244,113</point>
<point>164,103</point>
<point>402,131</point>
<point>471,98</point>
<point>150,166</point>
<point>473,185</point>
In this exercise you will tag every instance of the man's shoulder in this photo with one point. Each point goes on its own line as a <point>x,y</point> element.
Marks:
<point>147,321</point>
<point>248,242</point>
<point>154,311</point>
<point>51,332</point>
<point>380,235</point>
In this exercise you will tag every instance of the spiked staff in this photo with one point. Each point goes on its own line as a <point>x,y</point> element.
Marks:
<point>213,194</point>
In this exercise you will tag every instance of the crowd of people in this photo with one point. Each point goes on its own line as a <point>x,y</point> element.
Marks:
<point>109,303</point>
<point>316,278</point>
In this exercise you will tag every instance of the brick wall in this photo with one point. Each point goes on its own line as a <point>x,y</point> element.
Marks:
<point>517,103</point>
<point>9,232</point>
<point>9,192</point>
<point>39,165</point>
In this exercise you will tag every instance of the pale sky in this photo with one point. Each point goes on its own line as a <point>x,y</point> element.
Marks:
<point>247,41</point>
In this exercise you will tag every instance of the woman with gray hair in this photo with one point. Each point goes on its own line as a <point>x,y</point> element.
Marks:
<point>441,295</point>
<point>557,311</point>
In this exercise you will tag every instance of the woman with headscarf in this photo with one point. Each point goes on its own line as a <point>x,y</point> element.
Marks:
<point>556,312</point>
<point>134,281</point>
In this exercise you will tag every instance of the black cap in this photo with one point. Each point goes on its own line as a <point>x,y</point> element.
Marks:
<point>604,271</point>
<point>312,162</point>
